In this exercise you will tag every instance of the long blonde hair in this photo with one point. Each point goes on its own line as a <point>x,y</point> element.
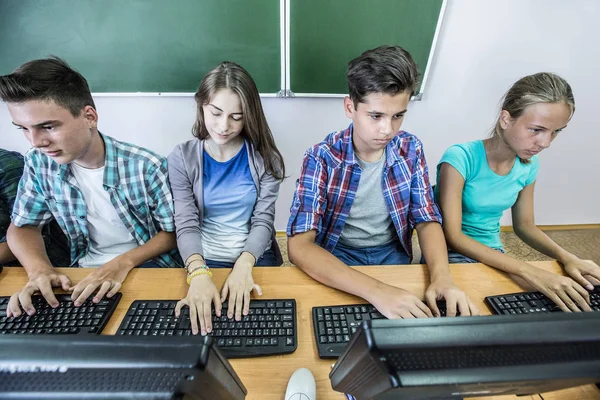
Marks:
<point>543,87</point>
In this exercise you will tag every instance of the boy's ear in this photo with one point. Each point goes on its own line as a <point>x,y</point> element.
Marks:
<point>349,107</point>
<point>90,114</point>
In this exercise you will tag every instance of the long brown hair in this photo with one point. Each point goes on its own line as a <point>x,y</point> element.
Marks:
<point>229,75</point>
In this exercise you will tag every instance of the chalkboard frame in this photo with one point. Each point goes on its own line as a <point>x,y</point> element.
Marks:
<point>288,92</point>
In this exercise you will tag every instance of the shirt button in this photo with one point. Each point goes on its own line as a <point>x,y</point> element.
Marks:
<point>82,217</point>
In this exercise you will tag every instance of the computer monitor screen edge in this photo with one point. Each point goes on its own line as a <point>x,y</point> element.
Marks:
<point>101,367</point>
<point>367,369</point>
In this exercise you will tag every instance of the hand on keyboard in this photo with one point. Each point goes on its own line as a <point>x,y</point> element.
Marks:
<point>106,280</point>
<point>201,294</point>
<point>238,286</point>
<point>563,291</point>
<point>584,272</point>
<point>42,282</point>
<point>393,302</point>
<point>456,299</point>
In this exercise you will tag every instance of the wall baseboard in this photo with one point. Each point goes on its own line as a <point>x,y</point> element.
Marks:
<point>508,228</point>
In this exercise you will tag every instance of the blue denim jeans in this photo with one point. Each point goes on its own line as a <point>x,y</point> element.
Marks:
<point>268,259</point>
<point>457,258</point>
<point>388,254</point>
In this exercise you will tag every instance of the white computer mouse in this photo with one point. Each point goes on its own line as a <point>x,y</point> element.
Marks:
<point>301,386</point>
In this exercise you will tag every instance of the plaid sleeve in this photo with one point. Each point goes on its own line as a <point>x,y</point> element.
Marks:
<point>30,206</point>
<point>310,199</point>
<point>160,196</point>
<point>11,169</point>
<point>422,203</point>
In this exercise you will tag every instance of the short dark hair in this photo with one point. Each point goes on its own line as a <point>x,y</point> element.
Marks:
<point>385,69</point>
<point>47,79</point>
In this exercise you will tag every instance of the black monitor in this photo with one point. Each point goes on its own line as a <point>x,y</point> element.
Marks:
<point>115,367</point>
<point>453,358</point>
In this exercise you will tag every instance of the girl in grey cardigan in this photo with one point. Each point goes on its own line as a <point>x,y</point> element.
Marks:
<point>225,182</point>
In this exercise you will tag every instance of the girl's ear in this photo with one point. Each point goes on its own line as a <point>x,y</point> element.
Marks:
<point>505,119</point>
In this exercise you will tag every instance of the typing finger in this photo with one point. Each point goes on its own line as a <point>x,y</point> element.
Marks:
<point>46,290</point>
<point>194,318</point>
<point>115,289</point>
<point>451,306</point>
<point>558,301</point>
<point>231,304</point>
<point>246,303</point>
<point>25,299</point>
<point>404,314</point>
<point>218,305</point>
<point>207,317</point>
<point>239,304</point>
<point>579,278</point>
<point>423,308</point>
<point>87,292</point>
<point>418,312</point>
<point>14,308</point>
<point>430,298</point>
<point>224,292</point>
<point>64,281</point>
<point>102,291</point>
<point>578,299</point>
<point>179,305</point>
<point>474,308</point>
<point>463,306</point>
<point>257,289</point>
<point>584,293</point>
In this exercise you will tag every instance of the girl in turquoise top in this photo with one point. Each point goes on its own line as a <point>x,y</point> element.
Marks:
<point>477,181</point>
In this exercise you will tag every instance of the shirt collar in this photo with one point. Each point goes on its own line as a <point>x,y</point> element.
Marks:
<point>111,169</point>
<point>350,157</point>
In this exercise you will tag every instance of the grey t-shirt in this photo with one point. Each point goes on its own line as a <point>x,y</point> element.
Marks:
<point>369,223</point>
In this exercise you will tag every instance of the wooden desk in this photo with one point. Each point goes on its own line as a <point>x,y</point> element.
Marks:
<point>266,377</point>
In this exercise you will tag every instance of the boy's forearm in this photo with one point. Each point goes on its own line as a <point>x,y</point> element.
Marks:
<point>159,244</point>
<point>324,267</point>
<point>433,247</point>
<point>6,255</point>
<point>27,245</point>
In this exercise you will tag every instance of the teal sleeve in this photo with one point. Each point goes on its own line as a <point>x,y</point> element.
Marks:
<point>535,166</point>
<point>457,157</point>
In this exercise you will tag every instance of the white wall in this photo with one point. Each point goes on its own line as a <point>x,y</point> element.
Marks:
<point>484,46</point>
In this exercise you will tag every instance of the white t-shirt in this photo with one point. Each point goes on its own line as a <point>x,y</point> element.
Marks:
<point>108,235</point>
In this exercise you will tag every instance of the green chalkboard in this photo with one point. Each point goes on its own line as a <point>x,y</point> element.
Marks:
<point>145,45</point>
<point>326,34</point>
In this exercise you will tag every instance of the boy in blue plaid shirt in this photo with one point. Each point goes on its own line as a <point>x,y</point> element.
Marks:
<point>111,199</point>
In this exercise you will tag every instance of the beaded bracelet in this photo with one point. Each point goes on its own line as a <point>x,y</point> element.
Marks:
<point>192,258</point>
<point>199,271</point>
<point>189,271</point>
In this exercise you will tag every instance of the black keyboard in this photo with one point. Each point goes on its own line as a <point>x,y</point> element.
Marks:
<point>532,302</point>
<point>89,318</point>
<point>268,329</point>
<point>334,325</point>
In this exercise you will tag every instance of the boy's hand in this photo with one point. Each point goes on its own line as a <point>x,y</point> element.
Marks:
<point>42,282</point>
<point>238,286</point>
<point>456,299</point>
<point>563,291</point>
<point>393,302</point>
<point>201,294</point>
<point>107,279</point>
<point>584,272</point>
